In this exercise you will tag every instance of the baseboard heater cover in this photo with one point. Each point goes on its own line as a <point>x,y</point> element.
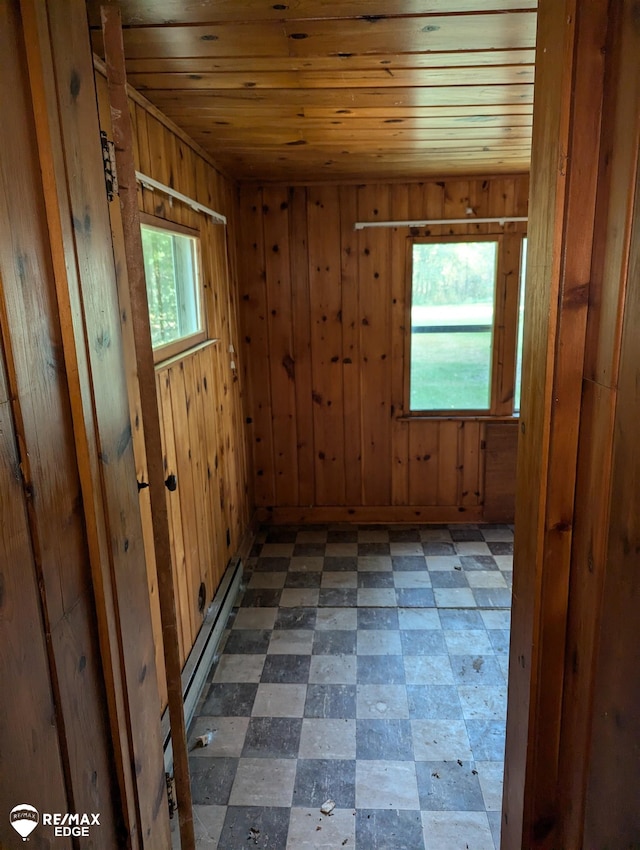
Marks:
<point>203,653</point>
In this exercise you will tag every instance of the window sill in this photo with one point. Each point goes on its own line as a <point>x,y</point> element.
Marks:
<point>169,361</point>
<point>458,417</point>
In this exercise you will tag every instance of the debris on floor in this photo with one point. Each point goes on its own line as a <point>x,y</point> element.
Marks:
<point>327,807</point>
<point>204,740</point>
<point>254,834</point>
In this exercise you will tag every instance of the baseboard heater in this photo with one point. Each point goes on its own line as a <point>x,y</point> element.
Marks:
<point>204,649</point>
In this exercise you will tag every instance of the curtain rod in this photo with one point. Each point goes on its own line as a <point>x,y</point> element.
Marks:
<point>150,183</point>
<point>501,220</point>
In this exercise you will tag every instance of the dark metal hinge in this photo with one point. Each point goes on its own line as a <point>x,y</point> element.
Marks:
<point>109,162</point>
<point>171,794</point>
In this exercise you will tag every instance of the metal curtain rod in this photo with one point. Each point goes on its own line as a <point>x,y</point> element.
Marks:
<point>150,183</point>
<point>501,220</point>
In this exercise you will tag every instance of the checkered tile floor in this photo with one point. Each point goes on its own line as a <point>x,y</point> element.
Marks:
<point>367,666</point>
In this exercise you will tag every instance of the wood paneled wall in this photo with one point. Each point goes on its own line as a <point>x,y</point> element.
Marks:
<point>78,726</point>
<point>199,393</point>
<point>324,310</point>
<point>572,766</point>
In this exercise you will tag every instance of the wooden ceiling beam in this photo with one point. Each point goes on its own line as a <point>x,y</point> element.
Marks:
<point>353,62</point>
<point>164,12</point>
<point>438,96</point>
<point>311,38</point>
<point>380,77</point>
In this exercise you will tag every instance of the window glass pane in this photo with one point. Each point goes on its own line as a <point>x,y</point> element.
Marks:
<point>172,287</point>
<point>453,290</point>
<point>523,274</point>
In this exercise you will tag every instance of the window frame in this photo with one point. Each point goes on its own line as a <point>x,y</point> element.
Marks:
<point>184,344</point>
<point>504,332</point>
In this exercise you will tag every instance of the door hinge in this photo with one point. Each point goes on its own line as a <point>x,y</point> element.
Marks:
<point>171,794</point>
<point>109,162</point>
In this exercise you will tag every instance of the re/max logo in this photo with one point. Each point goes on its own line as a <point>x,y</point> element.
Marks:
<point>72,819</point>
<point>70,824</point>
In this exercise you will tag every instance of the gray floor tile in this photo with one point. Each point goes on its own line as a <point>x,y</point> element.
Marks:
<point>333,670</point>
<point>449,578</point>
<point>334,642</point>
<point>337,651</point>
<point>230,700</point>
<point>295,618</point>
<point>269,824</point>
<point>272,737</point>
<point>492,597</point>
<point>461,620</point>
<point>422,642</point>
<point>263,782</point>
<point>379,829</point>
<point>456,830</point>
<point>408,563</point>
<point>331,701</point>
<point>248,641</point>
<point>212,780</point>
<point>291,642</point>
<point>275,700</point>
<point>341,563</point>
<point>437,547</point>
<point>380,670</point>
<point>487,739</point>
<point>415,597</point>
<point>494,819</point>
<point>228,736</point>
<point>379,642</point>
<point>327,737</point>
<point>373,548</point>
<point>311,830</point>
<point>386,785</point>
<point>293,669</point>
<point>476,670</point>
<point>338,597</point>
<point>377,618</point>
<point>433,702</point>
<point>375,579</point>
<point>449,786</point>
<point>310,579</point>
<point>384,739</point>
<point>318,780</point>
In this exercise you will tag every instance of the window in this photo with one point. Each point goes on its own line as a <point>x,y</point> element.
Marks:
<point>173,289</point>
<point>518,386</point>
<point>452,319</point>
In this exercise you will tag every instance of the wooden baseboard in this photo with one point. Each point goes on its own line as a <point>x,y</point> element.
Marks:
<point>370,514</point>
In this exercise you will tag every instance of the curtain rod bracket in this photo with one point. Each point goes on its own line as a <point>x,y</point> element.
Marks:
<point>154,185</point>
<point>361,225</point>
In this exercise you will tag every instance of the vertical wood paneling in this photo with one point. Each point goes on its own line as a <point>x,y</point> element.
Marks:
<point>326,344</point>
<point>423,462</point>
<point>399,317</point>
<point>348,308</point>
<point>375,342</point>
<point>448,448</point>
<point>175,523</point>
<point>506,336</point>
<point>26,730</point>
<point>200,395</point>
<point>470,457</point>
<point>301,318</point>
<point>350,279</point>
<point>256,342</point>
<point>185,451</point>
<point>282,363</point>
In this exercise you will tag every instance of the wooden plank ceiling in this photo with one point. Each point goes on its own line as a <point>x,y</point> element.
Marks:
<point>366,90</point>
